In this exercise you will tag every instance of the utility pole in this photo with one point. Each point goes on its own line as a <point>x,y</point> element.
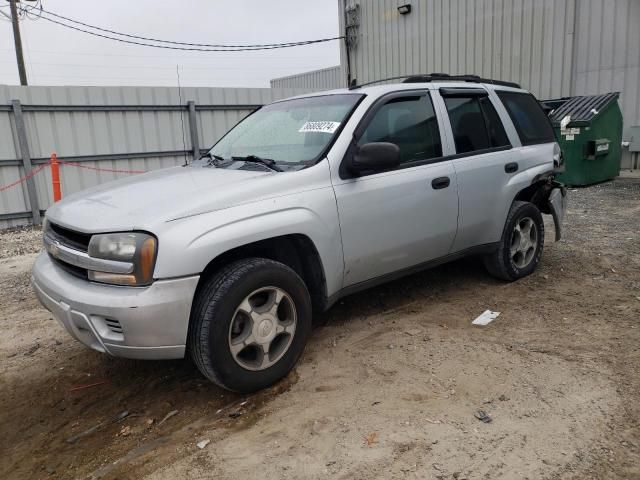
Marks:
<point>18,42</point>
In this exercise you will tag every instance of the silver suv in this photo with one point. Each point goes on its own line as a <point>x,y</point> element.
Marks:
<point>305,201</point>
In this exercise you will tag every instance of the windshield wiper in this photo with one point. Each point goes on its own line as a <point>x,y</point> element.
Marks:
<point>264,161</point>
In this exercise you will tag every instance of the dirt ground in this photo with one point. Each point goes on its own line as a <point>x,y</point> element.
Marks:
<point>388,387</point>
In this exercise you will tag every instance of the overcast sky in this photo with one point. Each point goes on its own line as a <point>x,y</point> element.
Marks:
<point>55,55</point>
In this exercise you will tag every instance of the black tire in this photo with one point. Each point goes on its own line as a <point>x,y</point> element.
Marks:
<point>214,308</point>
<point>500,263</point>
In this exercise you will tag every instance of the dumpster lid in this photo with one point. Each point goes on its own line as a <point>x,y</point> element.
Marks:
<point>582,109</point>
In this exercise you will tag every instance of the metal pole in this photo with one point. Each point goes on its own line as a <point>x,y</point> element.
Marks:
<point>26,160</point>
<point>346,42</point>
<point>193,129</point>
<point>573,74</point>
<point>345,20</point>
<point>18,42</point>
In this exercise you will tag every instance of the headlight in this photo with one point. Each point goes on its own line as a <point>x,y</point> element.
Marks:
<point>137,249</point>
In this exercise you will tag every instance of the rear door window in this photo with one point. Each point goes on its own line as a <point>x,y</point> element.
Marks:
<point>409,122</point>
<point>531,123</point>
<point>497,135</point>
<point>475,124</point>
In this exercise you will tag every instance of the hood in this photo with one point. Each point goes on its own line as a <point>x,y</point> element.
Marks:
<point>141,201</point>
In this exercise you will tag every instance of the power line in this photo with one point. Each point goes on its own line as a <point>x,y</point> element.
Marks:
<point>177,56</point>
<point>183,46</point>
<point>210,68</point>
<point>208,45</point>
<point>27,10</point>
<point>194,49</point>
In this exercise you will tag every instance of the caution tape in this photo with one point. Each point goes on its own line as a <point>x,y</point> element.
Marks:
<point>25,178</point>
<point>71,164</point>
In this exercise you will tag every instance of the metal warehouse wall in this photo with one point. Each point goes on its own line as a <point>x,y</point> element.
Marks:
<point>109,128</point>
<point>531,42</point>
<point>527,41</point>
<point>608,57</point>
<point>324,79</point>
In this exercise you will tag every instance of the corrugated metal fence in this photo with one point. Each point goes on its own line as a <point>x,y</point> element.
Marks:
<point>323,79</point>
<point>108,131</point>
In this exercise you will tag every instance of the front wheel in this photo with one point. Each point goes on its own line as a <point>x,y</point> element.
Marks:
<point>250,324</point>
<point>521,244</point>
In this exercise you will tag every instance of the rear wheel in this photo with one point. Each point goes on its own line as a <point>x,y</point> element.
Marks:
<point>521,244</point>
<point>250,324</point>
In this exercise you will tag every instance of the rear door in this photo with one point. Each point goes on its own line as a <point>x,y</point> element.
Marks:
<point>502,140</point>
<point>393,220</point>
<point>482,160</point>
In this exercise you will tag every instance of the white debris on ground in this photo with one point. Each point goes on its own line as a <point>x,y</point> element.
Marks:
<point>486,318</point>
<point>203,443</point>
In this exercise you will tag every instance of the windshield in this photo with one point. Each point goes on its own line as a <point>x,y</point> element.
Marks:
<point>288,132</point>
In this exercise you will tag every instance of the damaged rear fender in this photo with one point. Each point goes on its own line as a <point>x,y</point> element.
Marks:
<point>557,203</point>
<point>549,196</point>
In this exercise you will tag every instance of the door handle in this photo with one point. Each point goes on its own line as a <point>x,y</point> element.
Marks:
<point>440,182</point>
<point>511,167</point>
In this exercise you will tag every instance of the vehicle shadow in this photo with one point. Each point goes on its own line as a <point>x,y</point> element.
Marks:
<point>429,284</point>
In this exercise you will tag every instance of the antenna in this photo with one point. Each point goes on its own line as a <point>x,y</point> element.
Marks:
<point>184,142</point>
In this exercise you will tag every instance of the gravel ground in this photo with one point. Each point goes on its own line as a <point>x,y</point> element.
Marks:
<point>388,388</point>
<point>20,241</point>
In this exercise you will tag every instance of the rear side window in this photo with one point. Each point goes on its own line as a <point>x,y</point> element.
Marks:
<point>409,122</point>
<point>531,123</point>
<point>475,124</point>
<point>497,135</point>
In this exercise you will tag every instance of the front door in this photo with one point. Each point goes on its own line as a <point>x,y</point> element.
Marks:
<point>397,219</point>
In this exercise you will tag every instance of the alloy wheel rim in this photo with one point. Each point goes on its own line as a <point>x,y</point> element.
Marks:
<point>262,328</point>
<point>524,242</point>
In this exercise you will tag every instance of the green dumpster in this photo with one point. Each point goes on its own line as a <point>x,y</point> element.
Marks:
<point>589,131</point>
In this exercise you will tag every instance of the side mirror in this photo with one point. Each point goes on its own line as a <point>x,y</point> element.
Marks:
<point>375,156</point>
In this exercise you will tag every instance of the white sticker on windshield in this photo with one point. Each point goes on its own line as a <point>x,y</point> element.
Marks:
<point>323,127</point>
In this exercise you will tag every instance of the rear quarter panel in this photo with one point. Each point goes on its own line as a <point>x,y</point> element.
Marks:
<point>487,192</point>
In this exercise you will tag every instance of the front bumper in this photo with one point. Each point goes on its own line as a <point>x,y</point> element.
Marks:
<point>146,322</point>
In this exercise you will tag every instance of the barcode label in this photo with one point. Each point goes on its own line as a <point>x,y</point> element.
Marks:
<point>323,127</point>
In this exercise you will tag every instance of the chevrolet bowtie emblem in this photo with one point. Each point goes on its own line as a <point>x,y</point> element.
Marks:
<point>54,248</point>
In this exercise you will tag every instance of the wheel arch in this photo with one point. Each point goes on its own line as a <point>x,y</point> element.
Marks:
<point>537,192</point>
<point>297,251</point>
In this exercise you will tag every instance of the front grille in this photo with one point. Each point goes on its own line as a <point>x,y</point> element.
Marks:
<point>70,238</point>
<point>70,269</point>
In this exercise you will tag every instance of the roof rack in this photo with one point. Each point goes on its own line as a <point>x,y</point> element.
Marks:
<point>439,77</point>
